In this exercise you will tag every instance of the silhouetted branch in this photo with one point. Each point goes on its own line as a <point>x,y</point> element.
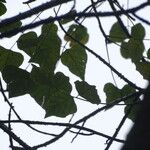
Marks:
<point>15,137</point>
<point>141,19</point>
<point>69,16</point>
<point>88,117</point>
<point>31,12</point>
<point>68,125</point>
<point>118,18</point>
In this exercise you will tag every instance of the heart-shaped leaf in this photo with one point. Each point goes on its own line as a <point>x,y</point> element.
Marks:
<point>48,49</point>
<point>75,59</point>
<point>78,32</point>
<point>116,33</point>
<point>132,49</point>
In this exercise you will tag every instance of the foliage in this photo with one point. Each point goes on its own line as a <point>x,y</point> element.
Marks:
<point>50,88</point>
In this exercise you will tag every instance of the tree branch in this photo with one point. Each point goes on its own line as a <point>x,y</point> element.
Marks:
<point>69,16</point>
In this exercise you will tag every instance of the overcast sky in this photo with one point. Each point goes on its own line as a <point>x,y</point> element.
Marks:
<point>96,74</point>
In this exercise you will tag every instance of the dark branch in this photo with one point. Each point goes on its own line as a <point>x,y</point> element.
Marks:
<point>15,137</point>
<point>31,12</point>
<point>69,16</point>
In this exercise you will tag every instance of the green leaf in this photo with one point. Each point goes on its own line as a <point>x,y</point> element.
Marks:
<point>88,92</point>
<point>18,81</point>
<point>75,59</point>
<point>11,26</point>
<point>8,57</point>
<point>148,53</point>
<point>132,49</point>
<point>138,31</point>
<point>64,21</point>
<point>54,96</point>
<point>116,33</point>
<point>112,92</point>
<point>28,43</point>
<point>48,50</point>
<point>132,115</point>
<point>39,76</point>
<point>3,9</point>
<point>126,90</point>
<point>144,69</point>
<point>78,32</point>
<point>3,1</point>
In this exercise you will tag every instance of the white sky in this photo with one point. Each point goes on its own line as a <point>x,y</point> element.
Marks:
<point>96,74</point>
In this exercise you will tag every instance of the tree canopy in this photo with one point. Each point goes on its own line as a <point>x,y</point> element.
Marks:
<point>52,89</point>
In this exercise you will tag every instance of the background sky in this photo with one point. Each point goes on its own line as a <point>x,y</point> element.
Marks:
<point>96,74</point>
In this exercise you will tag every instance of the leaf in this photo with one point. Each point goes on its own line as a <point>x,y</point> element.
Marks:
<point>8,57</point>
<point>138,31</point>
<point>3,1</point>
<point>64,21</point>
<point>75,59</point>
<point>126,90</point>
<point>3,9</point>
<point>48,50</point>
<point>78,32</point>
<point>116,33</point>
<point>132,49</point>
<point>88,92</point>
<point>148,53</point>
<point>54,96</point>
<point>39,76</point>
<point>144,69</point>
<point>18,81</point>
<point>132,115</point>
<point>112,92</point>
<point>11,26</point>
<point>28,42</point>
